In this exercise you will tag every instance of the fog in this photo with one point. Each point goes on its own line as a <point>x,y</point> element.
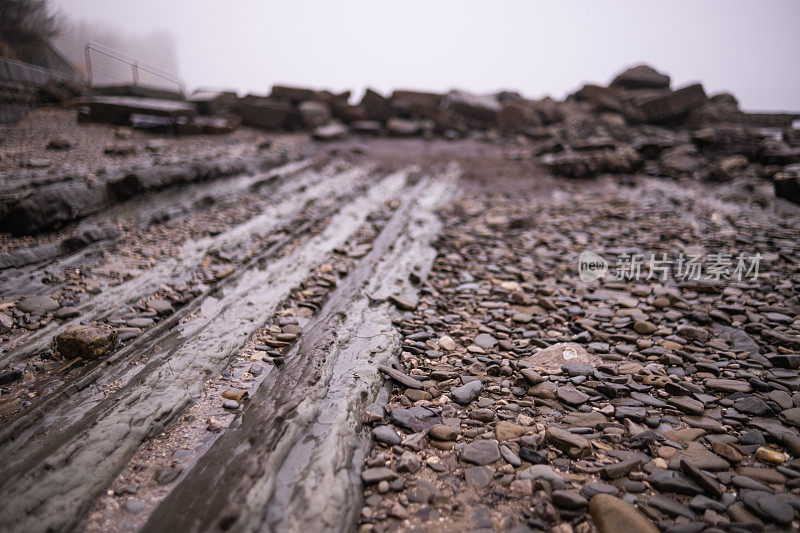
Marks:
<point>538,48</point>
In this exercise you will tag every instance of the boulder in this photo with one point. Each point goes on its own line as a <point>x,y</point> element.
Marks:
<point>724,140</point>
<point>482,109</point>
<point>314,113</point>
<point>266,113</point>
<point>294,95</point>
<point>641,77</point>
<point>376,106</point>
<point>680,160</point>
<point>213,102</point>
<point>86,342</point>
<point>787,186</point>
<point>583,165</point>
<point>673,107</point>
<point>777,152</point>
<point>51,206</point>
<point>348,113</point>
<point>517,116</point>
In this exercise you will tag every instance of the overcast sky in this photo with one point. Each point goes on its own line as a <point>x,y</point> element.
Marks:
<point>537,47</point>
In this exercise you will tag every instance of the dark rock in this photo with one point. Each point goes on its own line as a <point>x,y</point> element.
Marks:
<point>398,376</point>
<point>709,485</point>
<point>670,506</point>
<point>568,499</point>
<point>641,77</point>
<point>10,377</point>
<point>570,443</point>
<point>672,481</point>
<point>621,468</point>
<point>674,106</point>
<point>787,187</point>
<point>386,435</point>
<point>766,506</point>
<point>467,393</point>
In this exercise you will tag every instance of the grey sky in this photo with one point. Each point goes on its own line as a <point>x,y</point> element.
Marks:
<point>749,48</point>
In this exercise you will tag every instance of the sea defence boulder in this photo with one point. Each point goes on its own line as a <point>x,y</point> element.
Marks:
<point>641,77</point>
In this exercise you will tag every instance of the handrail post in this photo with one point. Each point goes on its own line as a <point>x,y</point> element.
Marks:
<point>89,66</point>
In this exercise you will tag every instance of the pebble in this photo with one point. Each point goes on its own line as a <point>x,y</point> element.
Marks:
<point>38,305</point>
<point>612,515</point>
<point>570,443</point>
<point>386,435</point>
<point>480,452</point>
<point>466,393</point>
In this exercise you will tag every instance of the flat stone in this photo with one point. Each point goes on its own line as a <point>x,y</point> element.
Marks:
<point>553,357</point>
<point>37,305</point>
<point>480,452</point>
<point>509,456</point>
<point>672,481</point>
<point>751,405</point>
<point>590,490</point>
<point>670,506</point>
<point>766,506</point>
<point>726,451</point>
<point>571,395</point>
<point>398,376</point>
<point>531,376</point>
<point>545,472</point>
<point>478,476</point>
<point>613,515</point>
<point>764,475</point>
<point>140,322</point>
<point>443,432</point>
<point>165,476</point>
<point>688,405</point>
<point>620,468</point>
<point>416,419</point>
<point>507,430</point>
<point>372,476</point>
<point>160,306</point>
<point>706,482</point>
<point>584,420</point>
<point>466,393</point>
<point>386,435</point>
<point>570,443</point>
<point>66,312</point>
<point>485,341</point>
<point>728,385</point>
<point>644,327</point>
<point>698,455</point>
<point>566,499</point>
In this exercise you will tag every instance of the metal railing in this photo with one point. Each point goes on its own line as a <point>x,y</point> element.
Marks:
<point>25,72</point>
<point>135,65</point>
